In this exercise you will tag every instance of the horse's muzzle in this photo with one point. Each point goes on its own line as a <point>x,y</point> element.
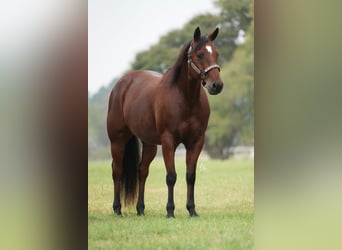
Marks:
<point>215,87</point>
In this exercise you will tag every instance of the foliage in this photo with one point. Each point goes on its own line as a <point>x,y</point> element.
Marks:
<point>224,200</point>
<point>232,119</point>
<point>98,143</point>
<point>162,55</point>
<point>234,17</point>
<point>236,14</point>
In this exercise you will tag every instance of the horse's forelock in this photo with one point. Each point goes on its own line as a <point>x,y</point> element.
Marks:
<point>184,54</point>
<point>203,40</point>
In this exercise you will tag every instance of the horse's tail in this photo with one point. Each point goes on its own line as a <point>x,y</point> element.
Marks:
<point>130,171</point>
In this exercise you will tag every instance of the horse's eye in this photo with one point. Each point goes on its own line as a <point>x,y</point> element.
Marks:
<point>200,56</point>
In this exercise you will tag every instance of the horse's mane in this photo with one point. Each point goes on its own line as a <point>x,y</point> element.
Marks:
<point>177,67</point>
<point>183,55</point>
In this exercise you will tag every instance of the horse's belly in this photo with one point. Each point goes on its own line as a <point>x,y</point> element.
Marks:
<point>153,139</point>
<point>143,126</point>
<point>146,134</point>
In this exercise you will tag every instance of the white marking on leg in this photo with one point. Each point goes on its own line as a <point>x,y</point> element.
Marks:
<point>210,50</point>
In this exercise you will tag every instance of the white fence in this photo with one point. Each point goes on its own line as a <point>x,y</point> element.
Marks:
<point>241,152</point>
<point>237,152</point>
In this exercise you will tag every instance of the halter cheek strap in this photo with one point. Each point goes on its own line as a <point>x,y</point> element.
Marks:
<point>202,73</point>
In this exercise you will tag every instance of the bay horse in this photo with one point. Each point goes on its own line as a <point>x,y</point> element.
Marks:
<point>162,110</point>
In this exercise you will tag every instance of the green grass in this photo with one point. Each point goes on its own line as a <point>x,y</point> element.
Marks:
<point>224,197</point>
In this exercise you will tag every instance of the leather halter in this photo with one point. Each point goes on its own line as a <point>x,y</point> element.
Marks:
<point>202,73</point>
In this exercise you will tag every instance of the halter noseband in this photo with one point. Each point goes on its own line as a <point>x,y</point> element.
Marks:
<point>204,72</point>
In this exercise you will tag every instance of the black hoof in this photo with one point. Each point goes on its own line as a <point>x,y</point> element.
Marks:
<point>170,208</point>
<point>192,211</point>
<point>119,214</point>
<point>171,215</point>
<point>141,213</point>
<point>140,209</point>
<point>194,214</point>
<point>117,210</point>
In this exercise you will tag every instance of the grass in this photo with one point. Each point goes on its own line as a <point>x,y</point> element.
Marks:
<point>224,196</point>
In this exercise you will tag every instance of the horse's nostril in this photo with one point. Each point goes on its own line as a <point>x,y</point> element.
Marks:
<point>214,86</point>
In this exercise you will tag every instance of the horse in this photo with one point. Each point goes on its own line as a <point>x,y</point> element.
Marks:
<point>162,110</point>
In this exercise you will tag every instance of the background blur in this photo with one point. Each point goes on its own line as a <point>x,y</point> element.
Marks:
<point>232,113</point>
<point>43,126</point>
<point>298,118</point>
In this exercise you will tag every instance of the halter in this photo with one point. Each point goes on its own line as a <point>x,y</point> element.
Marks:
<point>202,73</point>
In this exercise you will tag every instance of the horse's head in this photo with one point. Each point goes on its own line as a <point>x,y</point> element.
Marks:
<point>202,61</point>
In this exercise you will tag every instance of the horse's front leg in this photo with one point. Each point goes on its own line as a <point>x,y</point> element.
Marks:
<point>192,153</point>
<point>168,149</point>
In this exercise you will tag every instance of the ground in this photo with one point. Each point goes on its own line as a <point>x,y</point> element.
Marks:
<point>224,196</point>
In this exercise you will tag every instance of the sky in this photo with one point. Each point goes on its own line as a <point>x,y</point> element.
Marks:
<point>117,30</point>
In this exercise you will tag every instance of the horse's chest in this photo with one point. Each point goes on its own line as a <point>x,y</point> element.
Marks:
<point>191,128</point>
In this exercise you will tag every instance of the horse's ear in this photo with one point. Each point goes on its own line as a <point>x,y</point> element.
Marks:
<point>197,34</point>
<point>212,36</point>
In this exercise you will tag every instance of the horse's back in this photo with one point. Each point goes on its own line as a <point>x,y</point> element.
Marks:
<point>133,86</point>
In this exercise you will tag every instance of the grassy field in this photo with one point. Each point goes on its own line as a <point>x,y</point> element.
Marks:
<point>224,196</point>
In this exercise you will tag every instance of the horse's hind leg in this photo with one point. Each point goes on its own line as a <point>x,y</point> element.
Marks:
<point>117,151</point>
<point>148,154</point>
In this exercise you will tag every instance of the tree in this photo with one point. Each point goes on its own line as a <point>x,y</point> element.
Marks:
<point>232,119</point>
<point>162,55</point>
<point>235,15</point>
<point>98,142</point>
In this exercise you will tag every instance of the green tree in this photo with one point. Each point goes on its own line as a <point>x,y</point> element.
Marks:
<point>162,55</point>
<point>235,15</point>
<point>98,143</point>
<point>232,119</point>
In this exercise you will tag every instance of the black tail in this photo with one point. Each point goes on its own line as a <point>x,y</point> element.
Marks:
<point>130,171</point>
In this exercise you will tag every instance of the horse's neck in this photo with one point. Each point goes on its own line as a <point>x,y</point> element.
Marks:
<point>190,87</point>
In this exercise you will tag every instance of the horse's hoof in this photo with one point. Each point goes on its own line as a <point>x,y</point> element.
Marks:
<point>194,214</point>
<point>170,216</point>
<point>118,214</point>
<point>140,211</point>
